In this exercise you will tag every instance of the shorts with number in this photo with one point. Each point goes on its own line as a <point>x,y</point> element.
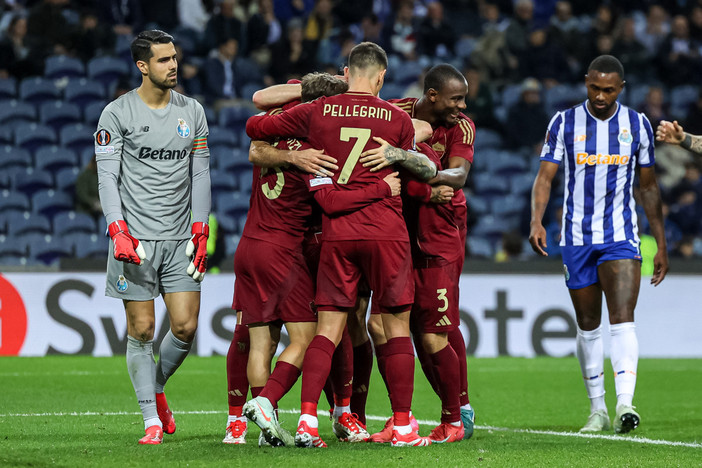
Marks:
<point>272,283</point>
<point>580,262</point>
<point>385,265</point>
<point>163,271</point>
<point>435,307</point>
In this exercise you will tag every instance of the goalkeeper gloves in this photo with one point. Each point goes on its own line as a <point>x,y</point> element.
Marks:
<point>126,248</point>
<point>197,251</point>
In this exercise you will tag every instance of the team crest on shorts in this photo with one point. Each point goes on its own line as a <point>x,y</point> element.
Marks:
<point>566,272</point>
<point>183,130</point>
<point>625,137</point>
<point>122,284</point>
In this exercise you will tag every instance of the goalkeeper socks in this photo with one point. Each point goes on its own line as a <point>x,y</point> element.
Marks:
<point>362,368</point>
<point>315,368</point>
<point>625,358</point>
<point>399,366</point>
<point>446,369</point>
<point>590,353</point>
<point>142,372</point>
<point>280,382</point>
<point>171,355</point>
<point>455,338</point>
<point>237,360</point>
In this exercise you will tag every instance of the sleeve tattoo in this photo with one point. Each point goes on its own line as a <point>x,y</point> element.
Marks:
<point>692,143</point>
<point>416,163</point>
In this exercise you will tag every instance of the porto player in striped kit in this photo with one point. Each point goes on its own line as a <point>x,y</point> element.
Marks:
<point>600,143</point>
<point>371,242</point>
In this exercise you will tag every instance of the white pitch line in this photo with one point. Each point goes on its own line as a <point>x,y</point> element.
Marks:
<point>426,422</point>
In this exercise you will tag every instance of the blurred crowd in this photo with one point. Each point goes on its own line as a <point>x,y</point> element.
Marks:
<point>523,59</point>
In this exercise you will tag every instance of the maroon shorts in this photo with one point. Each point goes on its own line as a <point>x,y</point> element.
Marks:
<point>272,283</point>
<point>435,307</point>
<point>385,265</point>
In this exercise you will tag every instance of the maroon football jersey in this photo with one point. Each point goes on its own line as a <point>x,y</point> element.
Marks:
<point>434,228</point>
<point>454,142</point>
<point>343,126</point>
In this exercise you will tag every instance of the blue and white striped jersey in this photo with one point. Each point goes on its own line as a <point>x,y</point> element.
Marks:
<point>599,159</point>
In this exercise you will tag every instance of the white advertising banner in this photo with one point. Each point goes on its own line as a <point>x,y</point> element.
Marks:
<point>515,315</point>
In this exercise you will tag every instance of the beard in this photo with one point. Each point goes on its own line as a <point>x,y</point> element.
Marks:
<point>166,83</point>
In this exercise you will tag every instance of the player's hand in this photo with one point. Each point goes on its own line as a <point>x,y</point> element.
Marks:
<point>127,248</point>
<point>197,251</point>
<point>670,132</point>
<point>441,194</point>
<point>394,182</point>
<point>315,162</point>
<point>380,157</point>
<point>537,239</point>
<point>660,267</point>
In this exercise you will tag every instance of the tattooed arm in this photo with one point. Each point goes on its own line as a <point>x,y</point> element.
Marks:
<point>672,132</point>
<point>386,155</point>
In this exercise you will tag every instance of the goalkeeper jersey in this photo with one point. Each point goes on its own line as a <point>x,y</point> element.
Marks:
<point>157,150</point>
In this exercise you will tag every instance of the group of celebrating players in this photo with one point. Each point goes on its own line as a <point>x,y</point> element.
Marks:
<point>357,200</point>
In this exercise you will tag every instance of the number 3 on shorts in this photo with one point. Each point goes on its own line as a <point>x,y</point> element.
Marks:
<point>442,297</point>
<point>362,136</point>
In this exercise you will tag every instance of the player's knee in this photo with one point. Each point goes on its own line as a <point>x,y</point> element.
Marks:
<point>185,331</point>
<point>376,330</point>
<point>434,342</point>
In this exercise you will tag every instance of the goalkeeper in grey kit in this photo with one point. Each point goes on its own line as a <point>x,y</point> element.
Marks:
<point>154,183</point>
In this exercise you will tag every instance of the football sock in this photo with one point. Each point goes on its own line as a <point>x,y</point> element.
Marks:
<point>231,418</point>
<point>172,353</point>
<point>456,341</point>
<point>341,372</point>
<point>329,392</point>
<point>142,372</point>
<point>235,414</point>
<point>446,370</point>
<point>280,382</point>
<point>590,353</point>
<point>399,366</point>
<point>315,368</point>
<point>381,355</point>
<point>427,364</point>
<point>362,368</point>
<point>309,415</point>
<point>625,358</point>
<point>237,359</point>
<point>256,391</point>
<point>404,430</point>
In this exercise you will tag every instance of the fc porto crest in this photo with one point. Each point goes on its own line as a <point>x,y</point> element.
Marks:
<point>625,137</point>
<point>122,284</point>
<point>183,130</point>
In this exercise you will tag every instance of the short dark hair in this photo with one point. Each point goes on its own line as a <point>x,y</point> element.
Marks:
<point>607,64</point>
<point>318,84</point>
<point>439,75</point>
<point>367,54</point>
<point>141,45</point>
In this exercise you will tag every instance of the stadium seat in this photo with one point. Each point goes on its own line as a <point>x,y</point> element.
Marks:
<point>636,95</point>
<point>51,202</point>
<point>7,136</point>
<point>77,137</point>
<point>563,96</point>
<point>480,247</point>
<point>12,156</point>
<point>13,201</point>
<point>245,181</point>
<point>66,180</point>
<point>223,182</point>
<point>510,205</point>
<point>56,114</point>
<point>233,160</point>
<point>37,90</point>
<point>510,95</point>
<point>222,136</point>
<point>86,245</point>
<point>24,223</point>
<point>487,138</point>
<point>478,205</point>
<point>48,249</point>
<point>392,91</point>
<point>14,112</point>
<point>248,90</point>
<point>230,244</point>
<point>52,158</point>
<point>63,66</point>
<point>404,75</point>
<point>33,136</point>
<point>107,70</point>
<point>487,185</point>
<point>71,222</point>
<point>235,117</point>
<point>681,97</point>
<point>83,91</point>
<point>521,184</point>
<point>492,227</point>
<point>8,88</point>
<point>210,116</point>
<point>32,180</point>
<point>227,224</point>
<point>507,163</point>
<point>12,249</point>
<point>92,112</point>
<point>232,204</point>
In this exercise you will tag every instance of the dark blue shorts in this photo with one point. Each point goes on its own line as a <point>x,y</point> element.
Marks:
<point>580,262</point>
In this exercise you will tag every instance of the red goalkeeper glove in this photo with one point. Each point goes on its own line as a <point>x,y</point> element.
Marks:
<point>127,248</point>
<point>197,251</point>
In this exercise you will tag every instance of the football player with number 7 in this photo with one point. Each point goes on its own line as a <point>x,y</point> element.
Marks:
<point>154,183</point>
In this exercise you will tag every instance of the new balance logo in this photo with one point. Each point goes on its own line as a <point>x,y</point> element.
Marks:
<point>444,322</point>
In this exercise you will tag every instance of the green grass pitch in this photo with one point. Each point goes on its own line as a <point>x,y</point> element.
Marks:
<point>81,411</point>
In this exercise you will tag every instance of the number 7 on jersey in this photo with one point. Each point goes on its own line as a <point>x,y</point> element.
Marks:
<point>362,135</point>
